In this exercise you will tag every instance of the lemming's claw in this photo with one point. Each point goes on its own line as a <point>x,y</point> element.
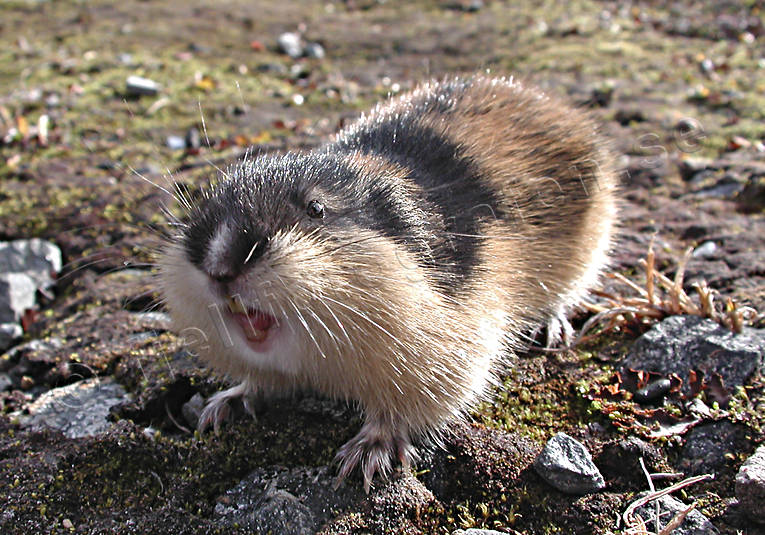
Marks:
<point>374,448</point>
<point>218,410</point>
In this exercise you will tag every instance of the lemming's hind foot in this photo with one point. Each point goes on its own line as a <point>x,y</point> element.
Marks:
<point>375,448</point>
<point>559,330</point>
<point>218,408</point>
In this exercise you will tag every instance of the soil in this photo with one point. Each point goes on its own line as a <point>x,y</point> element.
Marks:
<point>679,88</point>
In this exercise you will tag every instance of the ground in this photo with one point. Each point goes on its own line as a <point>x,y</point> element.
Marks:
<point>678,88</point>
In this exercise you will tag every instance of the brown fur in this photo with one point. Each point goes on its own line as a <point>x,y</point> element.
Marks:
<point>368,324</point>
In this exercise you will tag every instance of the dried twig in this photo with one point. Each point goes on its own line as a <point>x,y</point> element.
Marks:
<point>633,521</point>
<point>662,297</point>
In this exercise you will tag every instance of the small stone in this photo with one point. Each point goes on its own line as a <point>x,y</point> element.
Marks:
<point>695,523</point>
<point>67,524</point>
<point>78,410</point>
<point>707,447</point>
<point>750,486</point>
<point>476,531</point>
<point>27,382</point>
<point>38,259</point>
<point>9,333</point>
<point>17,294</point>
<point>193,138</point>
<point>707,65</point>
<point>725,188</point>
<point>602,95</point>
<point>752,197</point>
<point>137,86</point>
<point>626,116</point>
<point>192,410</point>
<point>176,143</point>
<point>282,512</point>
<point>567,465</point>
<point>470,6</point>
<point>314,50</point>
<point>298,99</point>
<point>705,250</point>
<point>291,44</point>
<point>653,391</point>
<point>682,343</point>
<point>690,167</point>
<point>285,501</point>
<point>6,383</point>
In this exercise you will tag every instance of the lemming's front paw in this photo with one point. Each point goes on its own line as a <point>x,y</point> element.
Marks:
<point>218,408</point>
<point>375,448</point>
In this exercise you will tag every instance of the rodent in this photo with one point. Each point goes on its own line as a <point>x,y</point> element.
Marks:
<point>397,265</point>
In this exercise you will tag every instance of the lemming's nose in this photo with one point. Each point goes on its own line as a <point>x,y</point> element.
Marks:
<point>224,276</point>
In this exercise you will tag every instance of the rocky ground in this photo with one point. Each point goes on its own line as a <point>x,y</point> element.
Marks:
<point>99,399</point>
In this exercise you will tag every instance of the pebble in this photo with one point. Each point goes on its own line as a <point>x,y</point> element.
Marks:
<point>291,44</point>
<point>193,138</point>
<point>9,333</point>
<point>38,259</point>
<point>292,501</point>
<point>176,143</point>
<point>192,410</point>
<point>136,86</point>
<point>17,294</point>
<point>78,410</point>
<point>653,391</point>
<point>690,167</point>
<point>471,6</point>
<point>314,50</point>
<point>750,486</point>
<point>567,465</point>
<point>5,382</point>
<point>707,447</point>
<point>679,344</point>
<point>476,531</point>
<point>705,250</point>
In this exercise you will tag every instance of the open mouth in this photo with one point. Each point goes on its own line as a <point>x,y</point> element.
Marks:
<point>255,324</point>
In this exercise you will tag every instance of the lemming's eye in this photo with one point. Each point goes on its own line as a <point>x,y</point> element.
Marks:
<point>315,209</point>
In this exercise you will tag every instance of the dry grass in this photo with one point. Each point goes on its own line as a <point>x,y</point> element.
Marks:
<point>661,297</point>
<point>634,524</point>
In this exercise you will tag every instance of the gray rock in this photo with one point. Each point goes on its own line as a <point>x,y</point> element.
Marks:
<point>291,44</point>
<point>17,294</point>
<point>193,138</point>
<point>281,512</point>
<point>192,410</point>
<point>693,524</point>
<point>750,486</point>
<point>475,531</point>
<point>706,446</point>
<point>727,187</point>
<point>690,167</point>
<point>78,410</point>
<point>175,143</point>
<point>314,50</point>
<point>136,86</point>
<point>9,333</point>
<point>567,465</point>
<point>5,382</point>
<point>290,501</point>
<point>682,343</point>
<point>38,259</point>
<point>705,250</point>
